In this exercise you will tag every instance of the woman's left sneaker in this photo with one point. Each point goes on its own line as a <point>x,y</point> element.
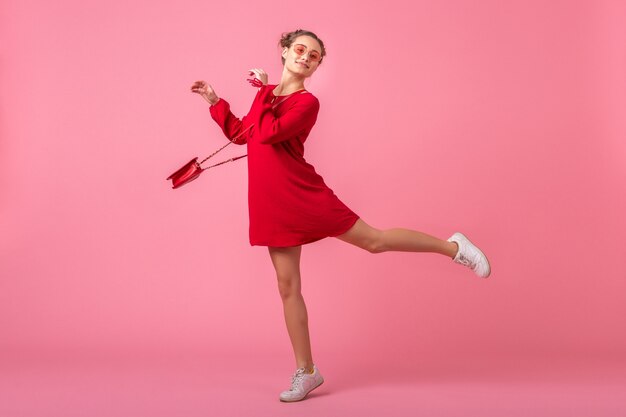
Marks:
<point>301,384</point>
<point>470,256</point>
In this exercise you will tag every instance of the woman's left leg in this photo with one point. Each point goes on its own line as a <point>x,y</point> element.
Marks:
<point>396,239</point>
<point>458,247</point>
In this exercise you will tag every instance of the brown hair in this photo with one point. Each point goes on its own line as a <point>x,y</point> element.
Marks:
<point>288,37</point>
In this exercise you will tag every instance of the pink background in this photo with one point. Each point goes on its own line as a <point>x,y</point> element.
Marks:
<point>503,120</point>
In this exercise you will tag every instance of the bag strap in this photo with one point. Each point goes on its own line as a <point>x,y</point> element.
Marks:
<point>229,142</point>
<point>287,98</point>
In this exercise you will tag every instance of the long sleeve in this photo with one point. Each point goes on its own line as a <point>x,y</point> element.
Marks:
<point>300,117</point>
<point>230,124</point>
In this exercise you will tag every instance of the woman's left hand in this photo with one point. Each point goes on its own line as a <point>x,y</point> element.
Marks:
<point>259,77</point>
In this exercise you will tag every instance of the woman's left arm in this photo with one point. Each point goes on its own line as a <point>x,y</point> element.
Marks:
<point>300,117</point>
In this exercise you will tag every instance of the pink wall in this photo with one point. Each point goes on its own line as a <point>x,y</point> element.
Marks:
<point>503,120</point>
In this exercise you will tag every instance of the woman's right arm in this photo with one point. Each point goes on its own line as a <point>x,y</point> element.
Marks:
<point>220,112</point>
<point>230,124</point>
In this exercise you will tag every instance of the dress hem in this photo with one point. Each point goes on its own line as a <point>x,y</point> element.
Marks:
<point>307,241</point>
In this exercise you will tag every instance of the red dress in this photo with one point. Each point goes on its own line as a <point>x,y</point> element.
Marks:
<point>288,202</point>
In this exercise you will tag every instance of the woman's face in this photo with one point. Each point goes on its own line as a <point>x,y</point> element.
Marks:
<point>303,56</point>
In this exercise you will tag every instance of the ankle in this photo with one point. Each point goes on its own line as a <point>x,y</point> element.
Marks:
<point>456,249</point>
<point>308,369</point>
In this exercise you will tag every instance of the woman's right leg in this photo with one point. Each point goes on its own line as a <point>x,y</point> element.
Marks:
<point>287,264</point>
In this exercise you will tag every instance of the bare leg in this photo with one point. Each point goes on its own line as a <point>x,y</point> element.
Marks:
<point>287,264</point>
<point>396,239</point>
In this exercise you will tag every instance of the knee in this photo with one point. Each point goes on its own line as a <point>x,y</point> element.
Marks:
<point>288,287</point>
<point>365,237</point>
<point>376,243</point>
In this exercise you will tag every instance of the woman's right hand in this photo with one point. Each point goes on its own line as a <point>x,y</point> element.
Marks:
<point>205,90</point>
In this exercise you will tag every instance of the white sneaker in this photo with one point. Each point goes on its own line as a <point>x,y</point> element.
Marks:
<point>470,256</point>
<point>301,384</point>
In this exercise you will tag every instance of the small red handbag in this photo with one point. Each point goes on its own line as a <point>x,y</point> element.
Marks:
<point>192,169</point>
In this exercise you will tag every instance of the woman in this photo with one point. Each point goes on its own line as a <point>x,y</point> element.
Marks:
<point>289,203</point>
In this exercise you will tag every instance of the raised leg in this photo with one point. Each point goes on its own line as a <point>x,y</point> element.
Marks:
<point>287,264</point>
<point>396,239</point>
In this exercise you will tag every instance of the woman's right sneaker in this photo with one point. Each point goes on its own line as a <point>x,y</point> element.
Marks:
<point>470,256</point>
<point>301,384</point>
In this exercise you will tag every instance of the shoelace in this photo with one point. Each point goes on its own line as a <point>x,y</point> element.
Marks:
<point>472,263</point>
<point>464,260</point>
<point>296,379</point>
